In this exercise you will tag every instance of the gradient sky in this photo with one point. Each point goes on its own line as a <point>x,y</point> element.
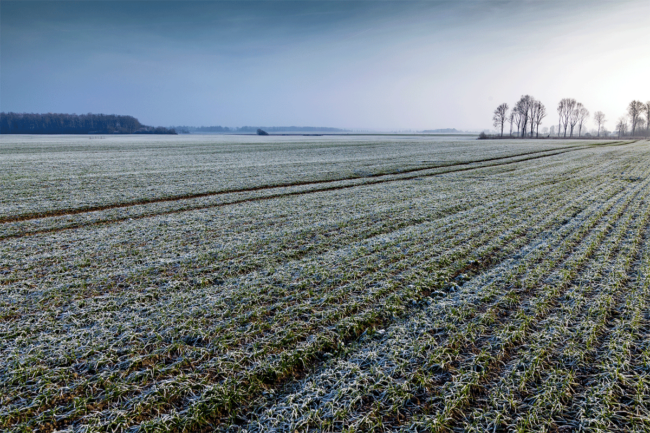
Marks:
<point>368,64</point>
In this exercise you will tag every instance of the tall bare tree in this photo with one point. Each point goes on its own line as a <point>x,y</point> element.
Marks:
<point>641,124</point>
<point>522,112</point>
<point>532,109</point>
<point>599,118</point>
<point>500,116</point>
<point>574,117</point>
<point>517,119</point>
<point>523,107</point>
<point>532,114</point>
<point>540,114</point>
<point>634,110</point>
<point>511,120</point>
<point>583,113</point>
<point>621,126</point>
<point>565,108</point>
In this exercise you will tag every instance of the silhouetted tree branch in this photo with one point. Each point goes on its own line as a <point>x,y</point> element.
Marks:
<point>621,126</point>
<point>634,110</point>
<point>564,109</point>
<point>582,114</point>
<point>599,118</point>
<point>500,116</point>
<point>540,114</point>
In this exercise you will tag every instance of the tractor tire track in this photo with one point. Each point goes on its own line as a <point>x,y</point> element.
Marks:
<point>73,226</point>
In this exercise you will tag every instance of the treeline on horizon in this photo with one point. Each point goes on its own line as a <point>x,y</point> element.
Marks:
<point>253,129</point>
<point>528,113</point>
<point>58,123</point>
<point>442,131</point>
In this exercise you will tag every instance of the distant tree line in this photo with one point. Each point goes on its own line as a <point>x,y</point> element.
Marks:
<point>253,129</point>
<point>55,123</point>
<point>528,113</point>
<point>442,131</point>
<point>289,129</point>
<point>206,129</point>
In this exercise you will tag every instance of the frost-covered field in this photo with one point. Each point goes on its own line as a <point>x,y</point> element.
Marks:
<point>323,283</point>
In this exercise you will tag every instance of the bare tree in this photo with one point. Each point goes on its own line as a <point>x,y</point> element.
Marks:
<point>500,116</point>
<point>533,107</point>
<point>540,114</point>
<point>574,116</point>
<point>532,114</point>
<point>599,118</point>
<point>517,119</point>
<point>634,110</point>
<point>621,126</point>
<point>523,107</point>
<point>522,111</point>
<point>565,108</point>
<point>583,113</point>
<point>511,120</point>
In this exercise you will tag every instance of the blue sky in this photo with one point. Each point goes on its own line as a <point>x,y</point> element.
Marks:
<point>368,64</point>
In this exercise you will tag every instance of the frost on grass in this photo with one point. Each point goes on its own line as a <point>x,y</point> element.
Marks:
<point>501,288</point>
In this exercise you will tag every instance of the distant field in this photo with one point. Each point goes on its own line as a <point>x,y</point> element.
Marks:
<point>324,283</point>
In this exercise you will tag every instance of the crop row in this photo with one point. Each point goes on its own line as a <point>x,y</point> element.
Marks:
<point>50,177</point>
<point>408,364</point>
<point>543,378</point>
<point>150,350</point>
<point>176,331</point>
<point>65,219</point>
<point>424,267</point>
<point>199,232</point>
<point>82,267</point>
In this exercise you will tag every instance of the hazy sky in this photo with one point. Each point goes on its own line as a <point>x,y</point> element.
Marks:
<point>368,64</point>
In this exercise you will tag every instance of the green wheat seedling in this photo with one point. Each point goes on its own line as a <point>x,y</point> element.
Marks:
<point>311,284</point>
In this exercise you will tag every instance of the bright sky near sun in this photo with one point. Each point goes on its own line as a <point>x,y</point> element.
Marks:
<point>368,64</point>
